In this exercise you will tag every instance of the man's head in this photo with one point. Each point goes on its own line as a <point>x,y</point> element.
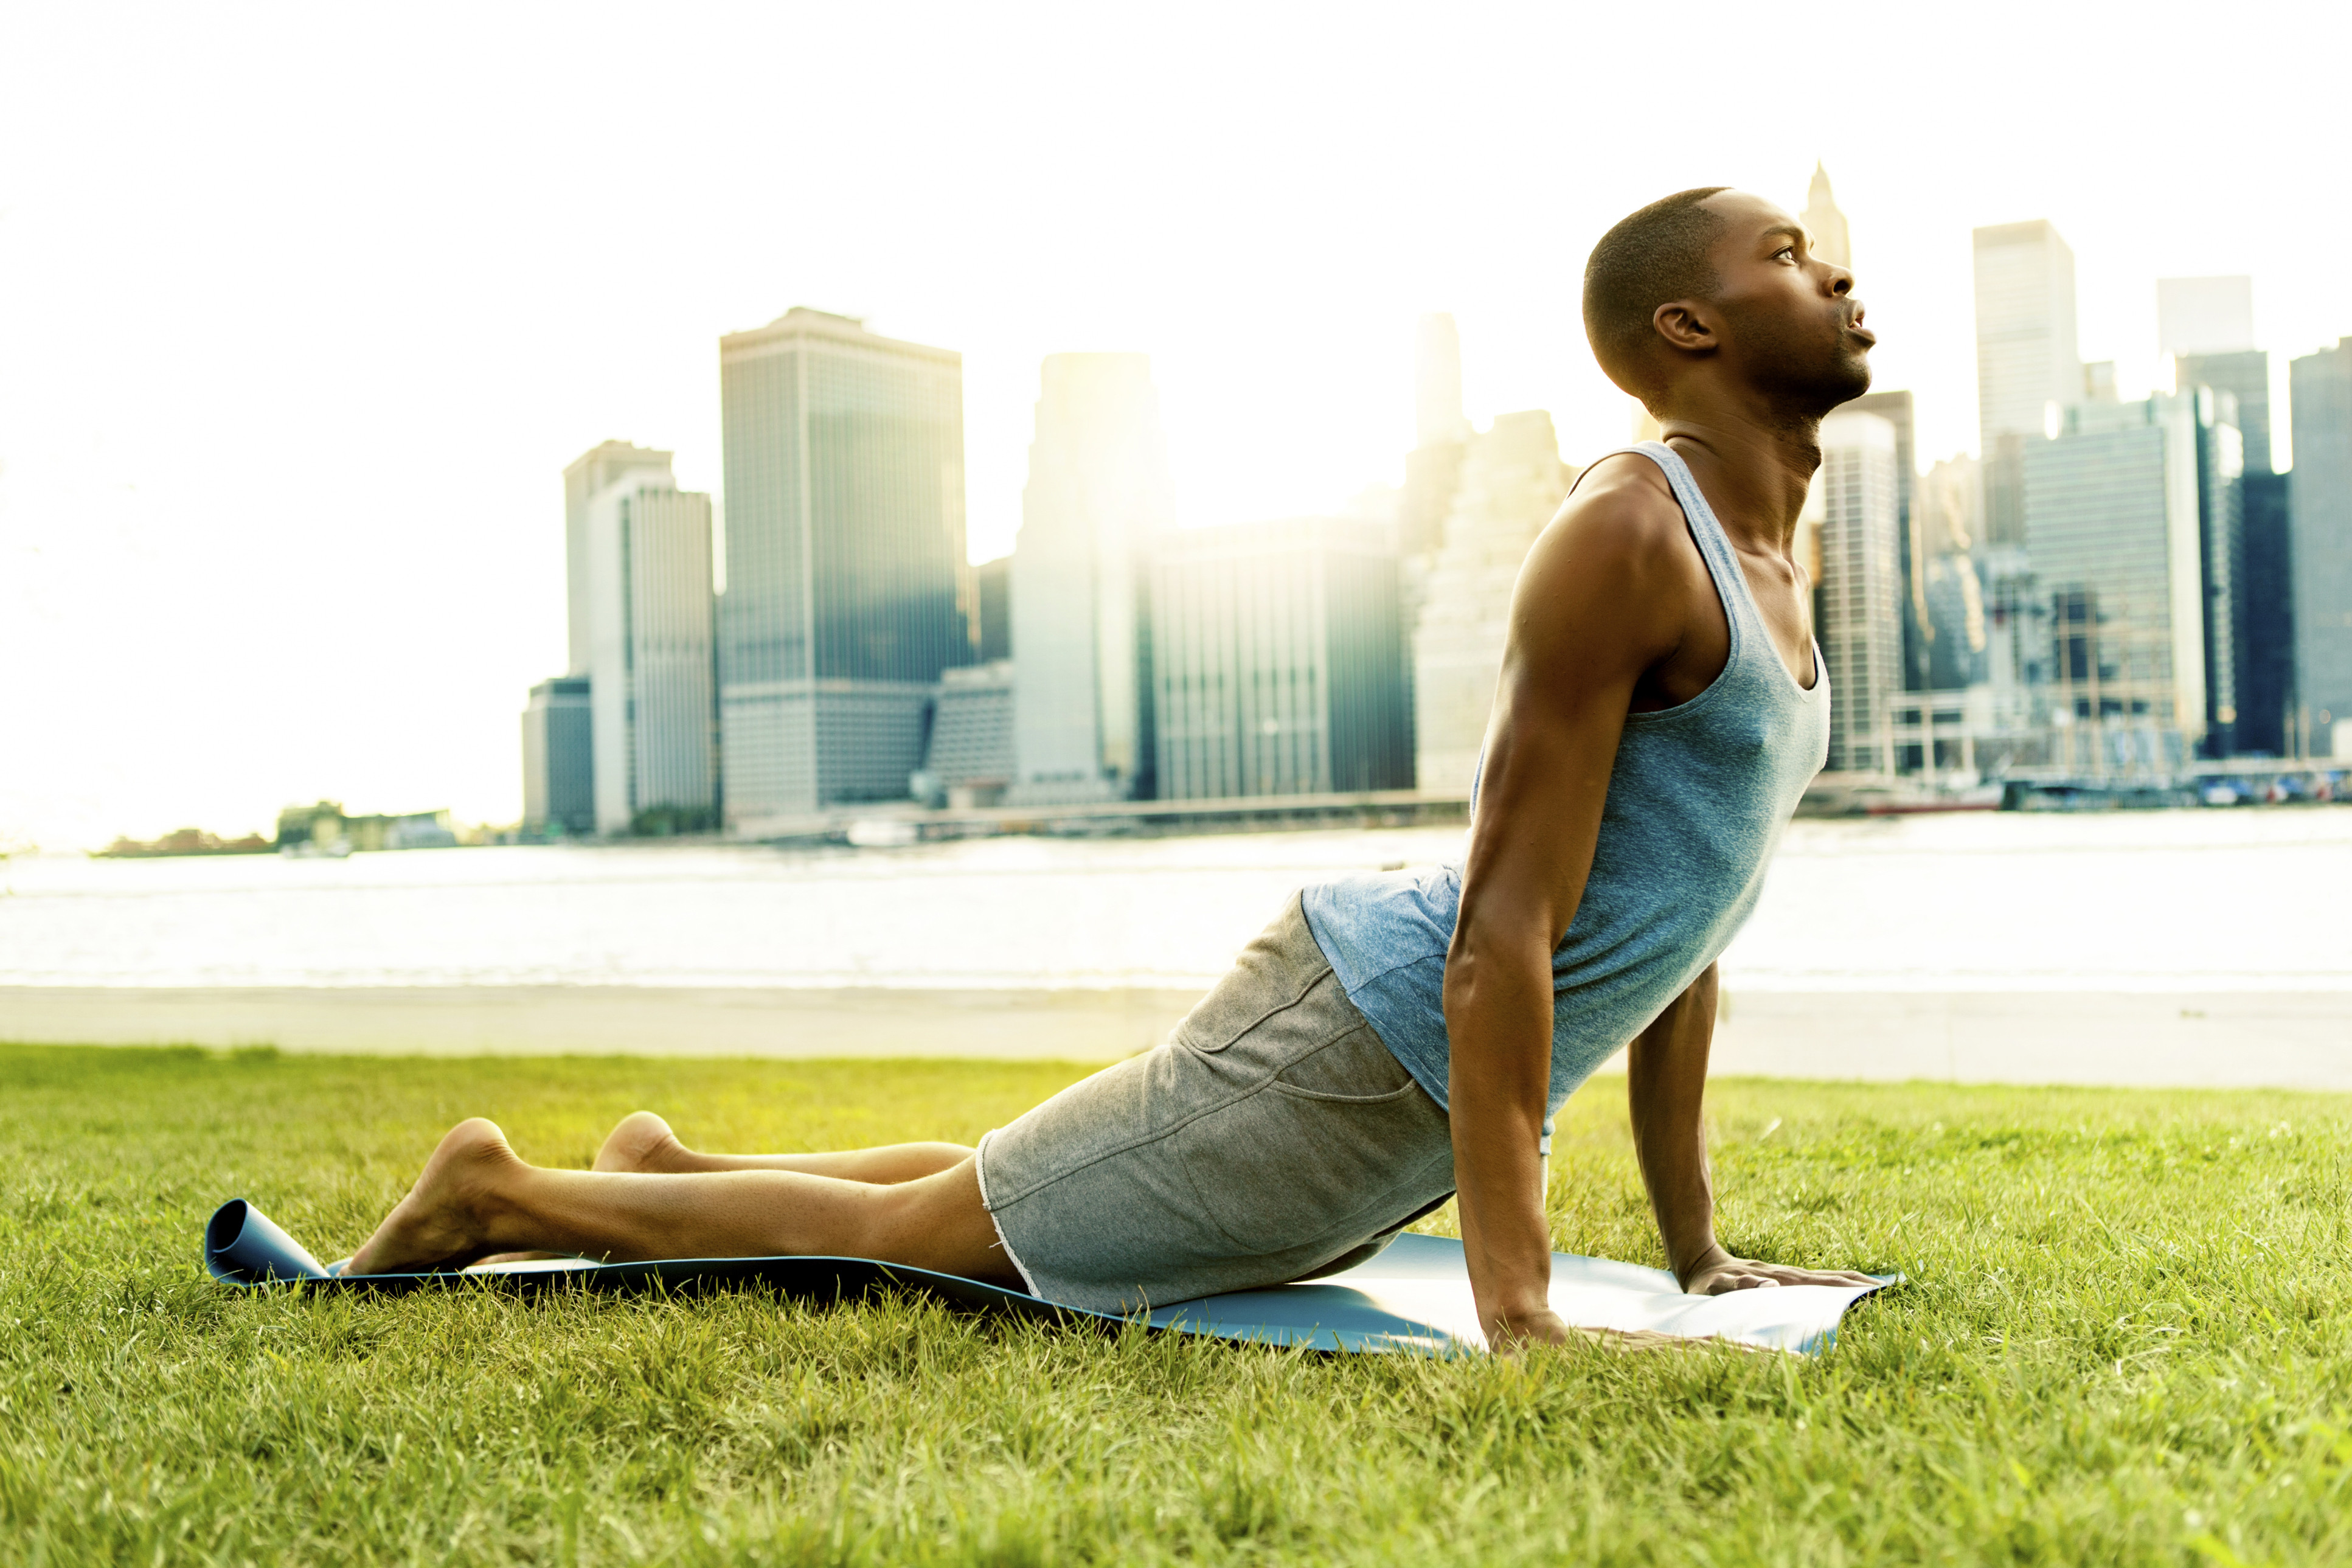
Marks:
<point>1715,287</point>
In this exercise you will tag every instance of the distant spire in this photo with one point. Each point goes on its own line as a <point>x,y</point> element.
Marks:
<point>1830,241</point>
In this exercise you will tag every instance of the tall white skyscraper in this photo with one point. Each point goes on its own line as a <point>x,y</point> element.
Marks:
<point>1825,222</point>
<point>651,693</point>
<point>1861,588</point>
<point>583,477</point>
<point>1437,384</point>
<point>2027,357</point>
<point>2204,316</point>
<point>1097,493</point>
<point>2028,369</point>
<point>1512,483</point>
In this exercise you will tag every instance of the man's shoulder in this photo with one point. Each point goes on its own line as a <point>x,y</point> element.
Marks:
<point>1620,530</point>
<point>1623,503</point>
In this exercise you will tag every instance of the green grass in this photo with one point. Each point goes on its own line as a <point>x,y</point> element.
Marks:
<point>2125,1339</point>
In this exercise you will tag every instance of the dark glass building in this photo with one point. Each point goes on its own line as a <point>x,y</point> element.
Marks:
<point>2261,579</point>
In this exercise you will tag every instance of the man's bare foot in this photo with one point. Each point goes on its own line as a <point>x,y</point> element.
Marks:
<point>443,1221</point>
<point>641,1142</point>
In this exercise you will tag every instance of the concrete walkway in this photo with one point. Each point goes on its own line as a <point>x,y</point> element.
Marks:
<point>2222,1040</point>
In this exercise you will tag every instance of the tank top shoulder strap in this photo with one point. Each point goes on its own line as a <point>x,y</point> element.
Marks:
<point>1705,530</point>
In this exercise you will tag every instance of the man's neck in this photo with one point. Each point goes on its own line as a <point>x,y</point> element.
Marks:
<point>1755,470</point>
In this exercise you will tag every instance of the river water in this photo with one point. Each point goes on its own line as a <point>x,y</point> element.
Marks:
<point>2244,899</point>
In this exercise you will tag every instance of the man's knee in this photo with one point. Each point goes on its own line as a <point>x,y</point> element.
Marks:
<point>933,1222</point>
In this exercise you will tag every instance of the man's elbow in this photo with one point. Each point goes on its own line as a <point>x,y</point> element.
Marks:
<point>1484,959</point>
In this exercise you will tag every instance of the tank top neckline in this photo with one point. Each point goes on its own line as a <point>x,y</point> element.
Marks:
<point>1722,559</point>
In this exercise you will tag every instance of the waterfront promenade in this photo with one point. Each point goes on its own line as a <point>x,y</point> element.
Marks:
<point>2177,948</point>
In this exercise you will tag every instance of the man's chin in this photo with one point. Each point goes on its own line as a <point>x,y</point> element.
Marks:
<point>1850,380</point>
<point>1856,372</point>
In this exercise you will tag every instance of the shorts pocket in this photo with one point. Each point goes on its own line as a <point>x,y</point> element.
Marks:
<point>1291,1166</point>
<point>1357,1068</point>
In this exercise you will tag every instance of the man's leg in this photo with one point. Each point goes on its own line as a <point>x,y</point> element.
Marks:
<point>644,1142</point>
<point>476,1196</point>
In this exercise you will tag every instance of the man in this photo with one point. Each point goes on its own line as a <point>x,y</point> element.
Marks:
<point>1390,1039</point>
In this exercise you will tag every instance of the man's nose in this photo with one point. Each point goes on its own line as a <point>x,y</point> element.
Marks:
<point>1841,281</point>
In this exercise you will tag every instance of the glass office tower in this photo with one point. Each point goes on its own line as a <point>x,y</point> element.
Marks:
<point>1277,655</point>
<point>2117,531</point>
<point>847,589</point>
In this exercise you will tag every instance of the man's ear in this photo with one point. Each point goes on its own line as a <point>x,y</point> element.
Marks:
<point>1686,324</point>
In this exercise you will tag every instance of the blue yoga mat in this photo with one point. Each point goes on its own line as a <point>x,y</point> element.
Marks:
<point>1414,1297</point>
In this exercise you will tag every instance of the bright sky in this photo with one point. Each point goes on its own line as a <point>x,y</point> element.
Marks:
<point>303,309</point>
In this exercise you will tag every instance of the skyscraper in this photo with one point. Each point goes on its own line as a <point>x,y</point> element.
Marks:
<point>2208,421</point>
<point>2320,511</point>
<point>1437,384</point>
<point>1276,657</point>
<point>2204,315</point>
<point>1512,483</point>
<point>2266,614</point>
<point>2027,360</point>
<point>1861,590</point>
<point>1432,469</point>
<point>2207,324</point>
<point>847,587</point>
<point>2114,532</point>
<point>1098,494</point>
<point>583,477</point>
<point>1910,551</point>
<point>654,732</point>
<point>1827,225</point>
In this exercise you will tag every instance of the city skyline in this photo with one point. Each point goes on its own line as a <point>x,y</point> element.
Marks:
<point>1278,309</point>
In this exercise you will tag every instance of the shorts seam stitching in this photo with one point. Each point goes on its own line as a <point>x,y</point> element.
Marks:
<point>1156,1136</point>
<point>1163,1134</point>
<point>1234,1038</point>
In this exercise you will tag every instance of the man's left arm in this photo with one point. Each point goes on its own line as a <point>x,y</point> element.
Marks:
<point>1666,1093</point>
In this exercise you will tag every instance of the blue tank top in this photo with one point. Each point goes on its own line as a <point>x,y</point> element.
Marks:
<point>1697,800</point>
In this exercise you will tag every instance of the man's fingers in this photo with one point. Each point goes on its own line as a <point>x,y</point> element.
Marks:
<point>1743,1275</point>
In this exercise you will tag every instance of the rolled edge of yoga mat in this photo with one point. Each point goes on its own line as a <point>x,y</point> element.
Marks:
<point>244,1246</point>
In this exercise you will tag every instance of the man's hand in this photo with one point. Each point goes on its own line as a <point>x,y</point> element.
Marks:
<point>1717,1272</point>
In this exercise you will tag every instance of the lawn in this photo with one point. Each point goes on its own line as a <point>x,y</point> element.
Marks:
<point>2124,1339</point>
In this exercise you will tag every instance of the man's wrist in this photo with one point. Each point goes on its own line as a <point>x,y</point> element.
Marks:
<point>1709,1254</point>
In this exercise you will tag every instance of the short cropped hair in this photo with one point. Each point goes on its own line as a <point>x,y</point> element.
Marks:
<point>1658,254</point>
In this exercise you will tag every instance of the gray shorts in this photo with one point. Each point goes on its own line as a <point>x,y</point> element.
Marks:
<point>1271,1138</point>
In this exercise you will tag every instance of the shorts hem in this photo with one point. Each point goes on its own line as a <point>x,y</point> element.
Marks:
<point>980,1173</point>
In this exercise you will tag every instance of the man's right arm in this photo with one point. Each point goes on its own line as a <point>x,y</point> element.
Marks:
<point>1604,597</point>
